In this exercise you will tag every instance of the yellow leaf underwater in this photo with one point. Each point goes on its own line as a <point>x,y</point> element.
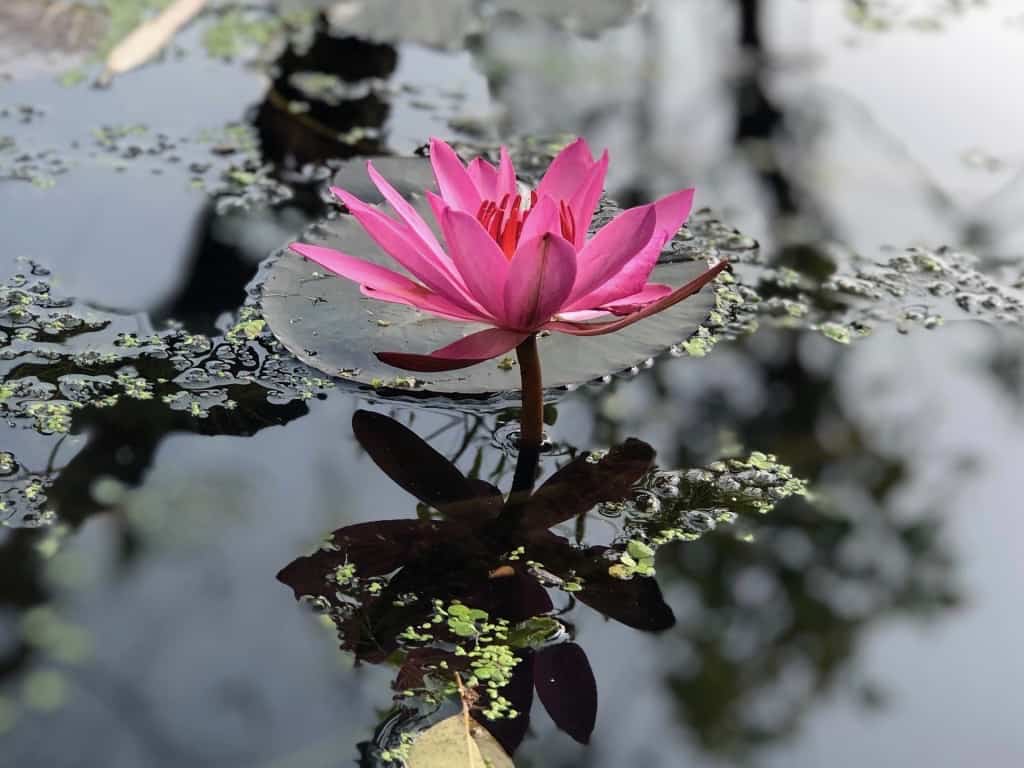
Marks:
<point>457,742</point>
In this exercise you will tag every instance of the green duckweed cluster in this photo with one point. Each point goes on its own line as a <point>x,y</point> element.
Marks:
<point>396,382</point>
<point>683,505</point>
<point>637,560</point>
<point>483,643</point>
<point>224,162</point>
<point>399,752</point>
<point>845,297</point>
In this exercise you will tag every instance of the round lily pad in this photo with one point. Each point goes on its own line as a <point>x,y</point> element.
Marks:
<point>326,322</point>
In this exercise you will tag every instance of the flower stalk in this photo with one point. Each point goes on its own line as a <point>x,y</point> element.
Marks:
<point>531,417</point>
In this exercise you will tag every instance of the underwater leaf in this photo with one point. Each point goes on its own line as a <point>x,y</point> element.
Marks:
<point>419,662</point>
<point>534,632</point>
<point>404,457</point>
<point>583,483</point>
<point>329,324</point>
<point>637,603</point>
<point>370,549</point>
<point>493,753</point>
<point>518,596</point>
<point>150,38</point>
<point>567,689</point>
<point>457,742</point>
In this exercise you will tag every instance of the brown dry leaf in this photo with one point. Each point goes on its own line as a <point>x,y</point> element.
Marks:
<point>149,38</point>
<point>448,744</point>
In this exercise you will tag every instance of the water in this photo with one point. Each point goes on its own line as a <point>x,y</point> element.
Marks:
<point>874,622</point>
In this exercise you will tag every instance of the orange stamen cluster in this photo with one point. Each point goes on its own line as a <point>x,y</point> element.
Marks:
<point>504,220</point>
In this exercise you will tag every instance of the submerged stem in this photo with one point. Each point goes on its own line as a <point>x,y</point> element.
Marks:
<point>531,418</point>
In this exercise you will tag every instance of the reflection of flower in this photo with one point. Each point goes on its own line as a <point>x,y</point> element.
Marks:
<point>517,260</point>
<point>393,585</point>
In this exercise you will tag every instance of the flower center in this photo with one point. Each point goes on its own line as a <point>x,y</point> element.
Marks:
<point>504,220</point>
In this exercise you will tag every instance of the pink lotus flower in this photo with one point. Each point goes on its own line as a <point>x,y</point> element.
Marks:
<point>517,260</point>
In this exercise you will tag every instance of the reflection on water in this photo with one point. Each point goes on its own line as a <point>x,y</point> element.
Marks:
<point>461,589</point>
<point>157,474</point>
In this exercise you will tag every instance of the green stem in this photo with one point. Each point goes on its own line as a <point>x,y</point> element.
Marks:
<point>531,418</point>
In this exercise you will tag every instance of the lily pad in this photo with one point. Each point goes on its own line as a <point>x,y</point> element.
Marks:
<point>327,323</point>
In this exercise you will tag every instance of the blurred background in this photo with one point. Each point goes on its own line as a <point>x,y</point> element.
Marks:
<point>875,624</point>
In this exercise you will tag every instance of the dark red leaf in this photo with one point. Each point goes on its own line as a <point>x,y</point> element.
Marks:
<point>636,602</point>
<point>582,484</point>
<point>374,548</point>
<point>419,469</point>
<point>565,685</point>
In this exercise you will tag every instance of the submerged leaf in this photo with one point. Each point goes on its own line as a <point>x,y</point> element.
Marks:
<point>566,687</point>
<point>457,742</point>
<point>581,484</point>
<point>418,468</point>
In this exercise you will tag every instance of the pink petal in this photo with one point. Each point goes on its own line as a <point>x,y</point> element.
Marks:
<point>670,213</point>
<point>456,186</point>
<point>478,258</point>
<point>540,277</point>
<point>506,176</point>
<point>396,241</point>
<point>649,293</point>
<point>429,302</point>
<point>582,315</point>
<point>485,178</point>
<point>437,205</point>
<point>673,209</point>
<point>362,272</point>
<point>607,252</point>
<point>467,351</point>
<point>405,210</point>
<point>543,218</point>
<point>584,201</point>
<point>599,329</point>
<point>566,171</point>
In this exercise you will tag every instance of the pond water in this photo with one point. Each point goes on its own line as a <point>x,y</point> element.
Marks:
<point>827,468</point>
